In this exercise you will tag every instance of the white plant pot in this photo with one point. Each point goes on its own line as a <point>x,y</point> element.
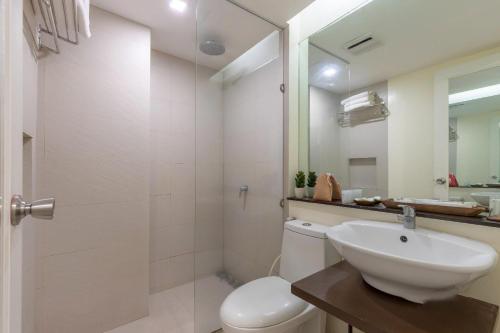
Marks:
<point>299,192</point>
<point>310,192</point>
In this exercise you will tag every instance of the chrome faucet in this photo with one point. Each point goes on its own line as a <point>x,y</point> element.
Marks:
<point>408,217</point>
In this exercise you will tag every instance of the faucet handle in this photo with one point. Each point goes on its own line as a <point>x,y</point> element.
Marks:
<point>408,210</point>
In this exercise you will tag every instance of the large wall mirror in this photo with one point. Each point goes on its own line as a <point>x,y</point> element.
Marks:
<point>402,99</point>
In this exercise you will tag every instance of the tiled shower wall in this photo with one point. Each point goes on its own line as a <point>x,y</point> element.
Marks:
<point>93,157</point>
<point>253,156</point>
<point>183,191</point>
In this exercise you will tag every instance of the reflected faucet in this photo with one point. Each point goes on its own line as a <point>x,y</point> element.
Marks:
<point>408,217</point>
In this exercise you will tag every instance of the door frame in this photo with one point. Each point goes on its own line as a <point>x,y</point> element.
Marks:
<point>441,113</point>
<point>11,39</point>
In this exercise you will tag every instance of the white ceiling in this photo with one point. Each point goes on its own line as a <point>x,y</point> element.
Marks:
<point>175,33</point>
<point>473,81</point>
<point>411,34</point>
<point>277,11</point>
<point>319,61</point>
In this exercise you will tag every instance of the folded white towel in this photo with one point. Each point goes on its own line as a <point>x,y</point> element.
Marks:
<point>351,107</point>
<point>364,95</point>
<point>369,98</point>
<point>438,202</point>
<point>83,7</point>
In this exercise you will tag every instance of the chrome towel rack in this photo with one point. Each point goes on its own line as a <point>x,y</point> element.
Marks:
<point>47,23</point>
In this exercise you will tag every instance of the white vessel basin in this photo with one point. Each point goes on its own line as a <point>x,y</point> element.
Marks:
<point>483,198</point>
<point>427,266</point>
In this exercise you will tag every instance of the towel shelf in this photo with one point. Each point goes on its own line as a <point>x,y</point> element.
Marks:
<point>60,24</point>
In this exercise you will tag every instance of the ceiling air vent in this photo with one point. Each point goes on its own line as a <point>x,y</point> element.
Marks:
<point>361,44</point>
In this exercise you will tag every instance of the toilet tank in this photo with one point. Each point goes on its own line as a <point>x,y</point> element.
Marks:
<point>305,250</point>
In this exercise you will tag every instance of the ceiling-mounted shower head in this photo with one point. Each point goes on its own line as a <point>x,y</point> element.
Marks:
<point>212,48</point>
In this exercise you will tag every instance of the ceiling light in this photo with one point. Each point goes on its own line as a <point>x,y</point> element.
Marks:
<point>329,72</point>
<point>178,5</point>
<point>471,95</point>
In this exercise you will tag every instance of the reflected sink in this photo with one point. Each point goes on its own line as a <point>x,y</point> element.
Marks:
<point>483,198</point>
<point>419,265</point>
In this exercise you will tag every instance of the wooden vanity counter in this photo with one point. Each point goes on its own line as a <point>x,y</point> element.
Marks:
<point>477,220</point>
<point>340,291</point>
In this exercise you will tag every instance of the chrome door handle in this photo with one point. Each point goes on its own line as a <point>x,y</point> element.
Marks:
<point>441,181</point>
<point>39,209</point>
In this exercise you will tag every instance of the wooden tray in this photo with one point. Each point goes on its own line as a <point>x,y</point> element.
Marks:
<point>458,211</point>
<point>495,218</point>
<point>367,203</point>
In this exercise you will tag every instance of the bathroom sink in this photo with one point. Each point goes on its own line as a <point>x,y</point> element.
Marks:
<point>419,265</point>
<point>483,198</point>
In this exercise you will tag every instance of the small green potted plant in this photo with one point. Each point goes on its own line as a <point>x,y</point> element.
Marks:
<point>300,184</point>
<point>311,183</point>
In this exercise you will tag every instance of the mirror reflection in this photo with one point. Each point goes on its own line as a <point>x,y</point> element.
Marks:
<point>347,127</point>
<point>384,100</point>
<point>474,115</point>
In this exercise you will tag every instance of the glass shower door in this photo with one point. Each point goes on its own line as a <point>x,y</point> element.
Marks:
<point>239,153</point>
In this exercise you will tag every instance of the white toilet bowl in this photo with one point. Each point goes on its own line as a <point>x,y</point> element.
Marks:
<point>266,305</point>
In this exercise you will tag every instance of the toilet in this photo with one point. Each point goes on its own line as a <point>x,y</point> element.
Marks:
<point>266,305</point>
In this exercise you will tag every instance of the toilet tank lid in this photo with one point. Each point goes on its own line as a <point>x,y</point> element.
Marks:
<point>307,228</point>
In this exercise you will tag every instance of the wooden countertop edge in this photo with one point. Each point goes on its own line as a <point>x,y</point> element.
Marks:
<point>317,290</point>
<point>336,312</point>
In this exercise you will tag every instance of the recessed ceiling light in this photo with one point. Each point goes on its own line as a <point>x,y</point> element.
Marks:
<point>178,5</point>
<point>471,95</point>
<point>329,72</point>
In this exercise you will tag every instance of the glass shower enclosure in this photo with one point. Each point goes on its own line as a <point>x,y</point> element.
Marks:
<point>239,153</point>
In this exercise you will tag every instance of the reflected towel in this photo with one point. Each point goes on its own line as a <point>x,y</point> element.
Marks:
<point>361,97</point>
<point>351,107</point>
<point>83,7</point>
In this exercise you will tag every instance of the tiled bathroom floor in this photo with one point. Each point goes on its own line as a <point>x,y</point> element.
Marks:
<point>172,310</point>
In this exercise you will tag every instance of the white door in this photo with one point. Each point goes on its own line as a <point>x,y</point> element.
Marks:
<point>10,161</point>
<point>494,152</point>
<point>13,208</point>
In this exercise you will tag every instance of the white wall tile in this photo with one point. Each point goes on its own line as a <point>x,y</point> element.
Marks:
<point>183,190</point>
<point>182,269</point>
<point>180,239</point>
<point>159,247</point>
<point>93,156</point>
<point>253,156</point>
<point>208,262</point>
<point>161,214</point>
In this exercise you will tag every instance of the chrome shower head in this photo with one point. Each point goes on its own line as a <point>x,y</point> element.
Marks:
<point>212,48</point>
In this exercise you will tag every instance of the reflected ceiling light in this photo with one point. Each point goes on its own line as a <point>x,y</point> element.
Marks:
<point>178,5</point>
<point>473,94</point>
<point>329,72</point>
